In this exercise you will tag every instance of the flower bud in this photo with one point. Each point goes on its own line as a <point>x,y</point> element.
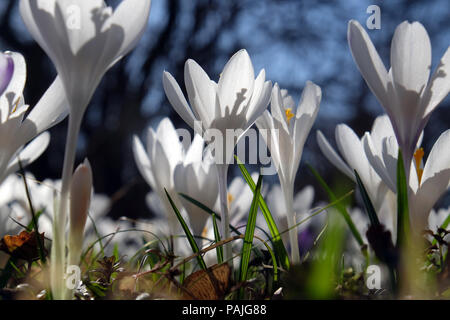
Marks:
<point>80,199</point>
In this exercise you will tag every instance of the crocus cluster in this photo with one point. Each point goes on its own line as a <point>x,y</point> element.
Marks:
<point>84,43</point>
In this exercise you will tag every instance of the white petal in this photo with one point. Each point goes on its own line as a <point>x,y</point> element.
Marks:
<point>352,151</point>
<point>304,199</point>
<point>170,142</point>
<point>142,161</point>
<point>52,108</point>
<point>310,100</point>
<point>195,151</point>
<point>276,104</point>
<point>201,92</point>
<point>256,110</point>
<point>265,124</point>
<point>381,129</point>
<point>14,91</point>
<point>375,158</point>
<point>332,155</point>
<point>131,16</point>
<point>177,99</point>
<point>438,86</point>
<point>38,18</point>
<point>368,61</point>
<point>435,179</point>
<point>439,159</point>
<point>253,109</point>
<point>30,153</point>
<point>162,170</point>
<point>410,57</point>
<point>237,78</point>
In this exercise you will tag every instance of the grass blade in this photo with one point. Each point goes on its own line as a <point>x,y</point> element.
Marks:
<point>340,207</point>
<point>207,210</point>
<point>40,242</point>
<point>275,234</point>
<point>402,202</point>
<point>188,233</point>
<point>219,249</point>
<point>248,237</point>
<point>325,270</point>
<point>367,202</point>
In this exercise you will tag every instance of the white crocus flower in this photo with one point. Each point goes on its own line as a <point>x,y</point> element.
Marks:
<point>166,163</point>
<point>231,105</point>
<point>197,178</point>
<point>83,39</point>
<point>157,163</point>
<point>354,157</point>
<point>16,130</point>
<point>427,180</point>
<point>405,92</point>
<point>286,131</point>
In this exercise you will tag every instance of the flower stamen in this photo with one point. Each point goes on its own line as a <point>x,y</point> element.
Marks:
<point>418,156</point>
<point>230,198</point>
<point>289,115</point>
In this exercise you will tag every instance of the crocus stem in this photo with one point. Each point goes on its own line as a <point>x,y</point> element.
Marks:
<point>288,193</point>
<point>222,171</point>
<point>60,217</point>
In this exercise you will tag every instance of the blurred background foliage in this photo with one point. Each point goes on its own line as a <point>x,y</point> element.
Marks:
<point>293,40</point>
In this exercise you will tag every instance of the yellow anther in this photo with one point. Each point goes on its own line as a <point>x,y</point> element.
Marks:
<point>230,198</point>
<point>289,114</point>
<point>418,156</point>
<point>205,232</point>
<point>15,106</point>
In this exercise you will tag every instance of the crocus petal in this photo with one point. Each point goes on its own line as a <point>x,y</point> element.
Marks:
<point>142,161</point>
<point>270,136</point>
<point>45,33</point>
<point>164,171</point>
<point>137,12</point>
<point>410,57</point>
<point>439,85</point>
<point>6,71</point>
<point>375,158</point>
<point>381,128</point>
<point>304,199</point>
<point>177,99</point>
<point>435,180</point>
<point>52,108</point>
<point>332,155</point>
<point>195,151</point>
<point>368,61</point>
<point>352,151</point>
<point>439,159</point>
<point>260,98</point>
<point>30,153</point>
<point>201,93</point>
<point>276,104</point>
<point>237,78</point>
<point>14,89</point>
<point>170,141</point>
<point>306,114</point>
